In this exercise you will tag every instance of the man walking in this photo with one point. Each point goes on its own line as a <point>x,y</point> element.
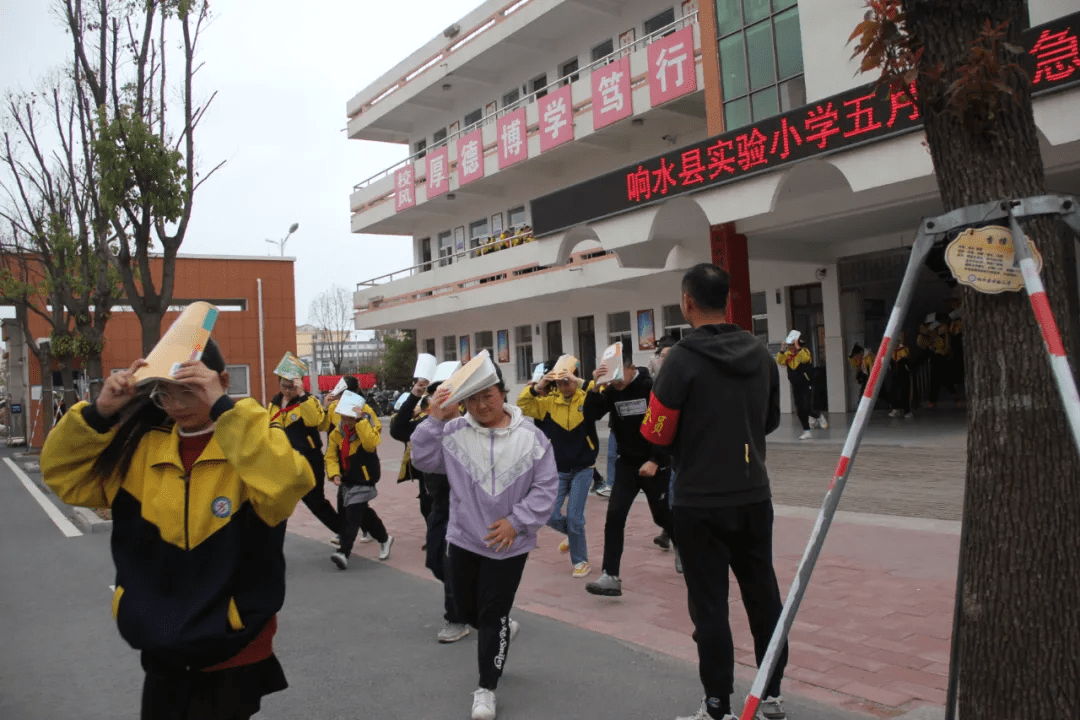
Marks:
<point>714,403</point>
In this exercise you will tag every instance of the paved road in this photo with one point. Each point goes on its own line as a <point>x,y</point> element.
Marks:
<point>358,644</point>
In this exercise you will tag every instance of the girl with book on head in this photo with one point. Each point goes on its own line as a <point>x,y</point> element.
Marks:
<point>503,482</point>
<point>331,420</point>
<point>353,463</point>
<point>301,415</point>
<point>200,488</point>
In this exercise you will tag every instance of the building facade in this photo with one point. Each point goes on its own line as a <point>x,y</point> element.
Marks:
<point>571,159</point>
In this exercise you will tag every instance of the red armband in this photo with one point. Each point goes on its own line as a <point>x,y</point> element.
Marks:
<point>660,423</point>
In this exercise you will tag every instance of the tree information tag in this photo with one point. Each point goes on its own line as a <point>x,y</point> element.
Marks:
<point>985,260</point>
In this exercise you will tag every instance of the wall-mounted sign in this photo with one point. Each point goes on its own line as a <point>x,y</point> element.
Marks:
<point>438,172</point>
<point>860,115</point>
<point>984,259</point>
<point>404,187</point>
<point>672,71</point>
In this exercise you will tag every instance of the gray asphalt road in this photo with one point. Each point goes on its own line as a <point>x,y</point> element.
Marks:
<point>358,644</point>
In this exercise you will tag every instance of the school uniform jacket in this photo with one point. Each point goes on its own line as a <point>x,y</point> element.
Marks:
<point>570,424</point>
<point>200,568</point>
<point>798,364</point>
<point>364,467</point>
<point>301,419</point>
<point>402,426</point>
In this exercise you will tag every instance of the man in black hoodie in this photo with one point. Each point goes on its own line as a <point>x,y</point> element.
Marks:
<point>714,403</point>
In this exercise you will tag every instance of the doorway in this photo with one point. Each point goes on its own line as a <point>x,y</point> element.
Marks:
<point>553,332</point>
<point>808,317</point>
<point>586,336</point>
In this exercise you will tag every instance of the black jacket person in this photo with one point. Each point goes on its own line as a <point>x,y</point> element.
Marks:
<point>716,399</point>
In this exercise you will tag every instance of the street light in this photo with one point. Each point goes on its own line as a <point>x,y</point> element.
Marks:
<point>281,243</point>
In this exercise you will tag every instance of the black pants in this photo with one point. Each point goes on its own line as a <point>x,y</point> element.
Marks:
<point>425,501</point>
<point>711,540</point>
<point>623,492</point>
<point>233,694</point>
<point>321,508</point>
<point>941,374</point>
<point>357,517</point>
<point>484,589</point>
<point>436,559</point>
<point>900,392</point>
<point>341,512</point>
<point>804,403</point>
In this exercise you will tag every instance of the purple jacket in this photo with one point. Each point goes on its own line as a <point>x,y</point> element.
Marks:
<point>498,473</point>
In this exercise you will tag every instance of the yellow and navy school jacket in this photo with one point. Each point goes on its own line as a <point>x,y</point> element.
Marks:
<point>935,340</point>
<point>200,567</point>
<point>798,364</point>
<point>901,355</point>
<point>364,466</point>
<point>863,367</point>
<point>301,419</point>
<point>570,425</point>
<point>330,418</point>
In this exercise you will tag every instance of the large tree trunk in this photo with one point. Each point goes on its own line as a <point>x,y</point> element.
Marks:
<point>94,377</point>
<point>1020,617</point>
<point>151,330</point>
<point>45,410</point>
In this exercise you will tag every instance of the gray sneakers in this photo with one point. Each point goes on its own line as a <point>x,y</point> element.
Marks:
<point>606,585</point>
<point>703,714</point>
<point>452,632</point>
<point>340,560</point>
<point>772,708</point>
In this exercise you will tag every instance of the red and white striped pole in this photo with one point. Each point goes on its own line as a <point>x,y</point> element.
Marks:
<point>1040,304</point>
<point>923,243</point>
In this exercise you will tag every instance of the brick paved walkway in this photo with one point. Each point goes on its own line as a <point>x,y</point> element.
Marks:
<point>872,635</point>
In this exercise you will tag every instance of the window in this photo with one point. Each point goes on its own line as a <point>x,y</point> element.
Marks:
<point>539,85</point>
<point>553,331</point>
<point>446,249</point>
<point>425,254</point>
<point>675,324</point>
<point>656,22</point>
<point>618,325</point>
<point>603,49</point>
<point>760,312</point>
<point>474,117</point>
<point>419,148</point>
<point>239,380</point>
<point>429,346</point>
<point>524,351</point>
<point>483,341</point>
<point>511,97</point>
<point>449,347</point>
<point>761,60</point>
<point>478,231</point>
<point>515,217</point>
<point>438,138</point>
<point>568,71</point>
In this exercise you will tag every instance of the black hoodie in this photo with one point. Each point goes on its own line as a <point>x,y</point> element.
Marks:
<point>715,399</point>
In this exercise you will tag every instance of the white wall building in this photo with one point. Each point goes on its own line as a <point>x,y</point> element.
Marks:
<point>824,210</point>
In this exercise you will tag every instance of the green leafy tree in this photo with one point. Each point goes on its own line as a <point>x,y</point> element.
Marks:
<point>399,361</point>
<point>1020,593</point>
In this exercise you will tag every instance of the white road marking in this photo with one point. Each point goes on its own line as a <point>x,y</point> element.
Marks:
<point>65,525</point>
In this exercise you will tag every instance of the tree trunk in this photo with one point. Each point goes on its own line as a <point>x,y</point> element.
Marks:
<point>151,330</point>
<point>46,408</point>
<point>94,377</point>
<point>67,377</point>
<point>1020,616</point>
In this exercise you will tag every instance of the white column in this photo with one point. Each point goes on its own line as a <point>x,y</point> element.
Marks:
<point>779,320</point>
<point>836,360</point>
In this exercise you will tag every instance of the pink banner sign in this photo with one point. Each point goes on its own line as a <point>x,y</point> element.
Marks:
<point>672,72</point>
<point>611,99</point>
<point>556,119</point>
<point>470,157</point>
<point>404,187</point>
<point>513,138</point>
<point>438,172</point>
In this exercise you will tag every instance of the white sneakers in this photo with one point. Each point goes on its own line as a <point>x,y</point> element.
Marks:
<point>703,714</point>
<point>384,548</point>
<point>452,632</point>
<point>806,435</point>
<point>515,628</point>
<point>340,560</point>
<point>822,422</point>
<point>483,704</point>
<point>364,538</point>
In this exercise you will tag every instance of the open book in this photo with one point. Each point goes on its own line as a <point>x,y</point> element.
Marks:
<point>476,375</point>
<point>612,361</point>
<point>291,367</point>
<point>444,371</point>
<point>565,365</point>
<point>184,340</point>
<point>350,404</point>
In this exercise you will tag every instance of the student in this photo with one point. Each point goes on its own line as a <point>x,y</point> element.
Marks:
<point>503,484</point>
<point>640,467</point>
<point>200,488</point>
<point>402,422</point>
<point>799,364</point>
<point>330,421</point>
<point>353,463</point>
<point>935,340</point>
<point>301,415</point>
<point>862,361</point>
<point>437,487</point>
<point>715,401</point>
<point>900,395</point>
<point>568,418</point>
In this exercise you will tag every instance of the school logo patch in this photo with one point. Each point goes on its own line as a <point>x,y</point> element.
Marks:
<point>221,507</point>
<point>293,417</point>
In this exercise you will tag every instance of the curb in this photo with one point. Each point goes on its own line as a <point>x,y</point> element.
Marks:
<point>88,521</point>
<point>925,712</point>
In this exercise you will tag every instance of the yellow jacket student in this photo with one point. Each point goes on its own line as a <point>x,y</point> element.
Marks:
<point>356,463</point>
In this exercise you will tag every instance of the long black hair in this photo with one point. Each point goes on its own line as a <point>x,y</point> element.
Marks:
<point>139,417</point>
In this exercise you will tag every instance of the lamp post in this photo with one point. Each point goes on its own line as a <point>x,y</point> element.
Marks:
<point>281,243</point>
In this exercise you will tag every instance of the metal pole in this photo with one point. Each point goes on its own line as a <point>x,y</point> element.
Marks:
<point>923,242</point>
<point>262,347</point>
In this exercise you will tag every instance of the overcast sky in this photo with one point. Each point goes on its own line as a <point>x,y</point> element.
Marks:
<point>283,72</point>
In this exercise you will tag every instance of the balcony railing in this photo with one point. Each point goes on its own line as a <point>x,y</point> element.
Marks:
<point>531,97</point>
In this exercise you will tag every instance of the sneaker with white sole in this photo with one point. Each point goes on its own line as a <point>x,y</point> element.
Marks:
<point>806,435</point>
<point>604,492</point>
<point>703,714</point>
<point>515,628</point>
<point>606,585</point>
<point>365,538</point>
<point>896,413</point>
<point>581,570</point>
<point>340,560</point>
<point>483,704</point>
<point>772,708</point>
<point>452,632</point>
<point>813,422</point>
<point>384,548</point>
<point>336,541</point>
<point>678,562</point>
<point>823,423</point>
